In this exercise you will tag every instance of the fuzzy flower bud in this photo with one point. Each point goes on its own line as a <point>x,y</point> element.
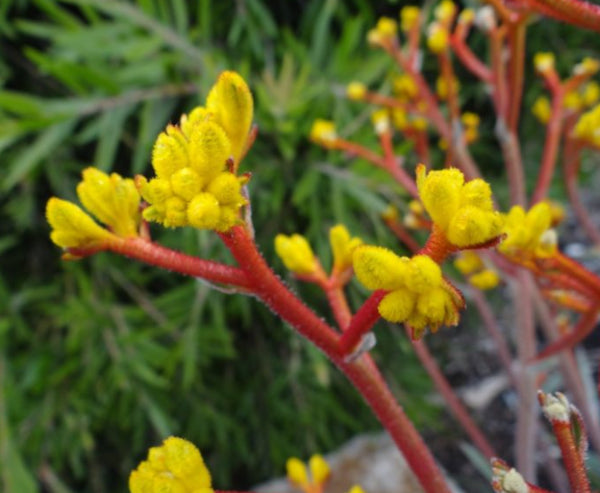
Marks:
<point>588,67</point>
<point>445,12</point>
<point>296,253</point>
<point>541,109</point>
<point>526,232</point>
<point>409,17</point>
<point>437,37</point>
<point>323,133</point>
<point>356,91</point>
<point>175,467</point>
<point>463,211</point>
<point>381,121</point>
<point>418,295</point>
<point>342,246</point>
<point>543,62</point>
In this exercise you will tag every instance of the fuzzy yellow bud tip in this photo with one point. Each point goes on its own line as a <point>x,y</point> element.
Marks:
<point>176,466</point>
<point>323,132</point>
<point>356,91</point>
<point>342,247</point>
<point>543,62</point>
<point>463,211</point>
<point>386,27</point>
<point>588,66</point>
<point>587,128</point>
<point>418,294</point>
<point>445,11</point>
<point>296,254</point>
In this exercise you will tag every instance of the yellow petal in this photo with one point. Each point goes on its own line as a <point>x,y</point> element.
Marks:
<point>185,462</point>
<point>203,211</point>
<point>209,149</point>
<point>186,183</point>
<point>230,101</point>
<point>398,305</point>
<point>296,471</point>
<point>478,194</point>
<point>440,192</point>
<point>319,469</point>
<point>379,268</point>
<point>226,188</point>
<point>73,228</point>
<point>423,274</point>
<point>170,152</point>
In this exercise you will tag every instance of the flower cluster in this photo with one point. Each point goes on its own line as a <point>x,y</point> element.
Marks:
<point>195,162</point>
<point>463,211</point>
<point>418,294</point>
<point>529,234</point>
<point>587,128</point>
<point>342,247</point>
<point>113,200</point>
<point>174,467</point>
<point>479,275</point>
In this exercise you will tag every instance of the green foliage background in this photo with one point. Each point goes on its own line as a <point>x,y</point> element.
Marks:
<point>102,358</point>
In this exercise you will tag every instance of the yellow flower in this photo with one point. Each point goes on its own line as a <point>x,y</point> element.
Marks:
<point>591,93</point>
<point>445,11</point>
<point>342,246</point>
<point>384,32</point>
<point>409,17</point>
<point>543,62</point>
<point>588,127</point>
<point>467,16</point>
<point>468,262</point>
<point>356,91</point>
<point>442,87</point>
<point>485,280</point>
<point>464,212</point>
<point>323,133</point>
<point>73,228</point>
<point>573,101</point>
<point>298,474</point>
<point>528,234</point>
<point>541,109</point>
<point>296,253</point>
<point>381,121</point>
<point>113,200</point>
<point>193,185</point>
<point>418,294</point>
<point>588,66</point>
<point>437,37</point>
<point>405,87</point>
<point>174,467</point>
<point>470,122</point>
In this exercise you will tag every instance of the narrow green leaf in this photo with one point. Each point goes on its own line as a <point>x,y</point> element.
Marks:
<point>111,131</point>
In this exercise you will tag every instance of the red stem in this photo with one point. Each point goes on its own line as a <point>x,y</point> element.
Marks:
<point>269,288</point>
<point>155,254</point>
<point>437,246</point>
<point>574,12</point>
<point>393,168</point>
<point>470,60</point>
<point>553,132</point>
<point>571,456</point>
<point>454,403</point>
<point>339,306</point>
<point>362,322</point>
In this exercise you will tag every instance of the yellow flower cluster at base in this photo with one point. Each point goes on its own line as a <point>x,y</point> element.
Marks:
<point>113,200</point>
<point>463,211</point>
<point>174,467</point>
<point>418,294</point>
<point>529,234</point>
<point>195,162</point>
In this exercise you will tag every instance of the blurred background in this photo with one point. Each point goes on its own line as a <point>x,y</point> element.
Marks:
<point>102,358</point>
